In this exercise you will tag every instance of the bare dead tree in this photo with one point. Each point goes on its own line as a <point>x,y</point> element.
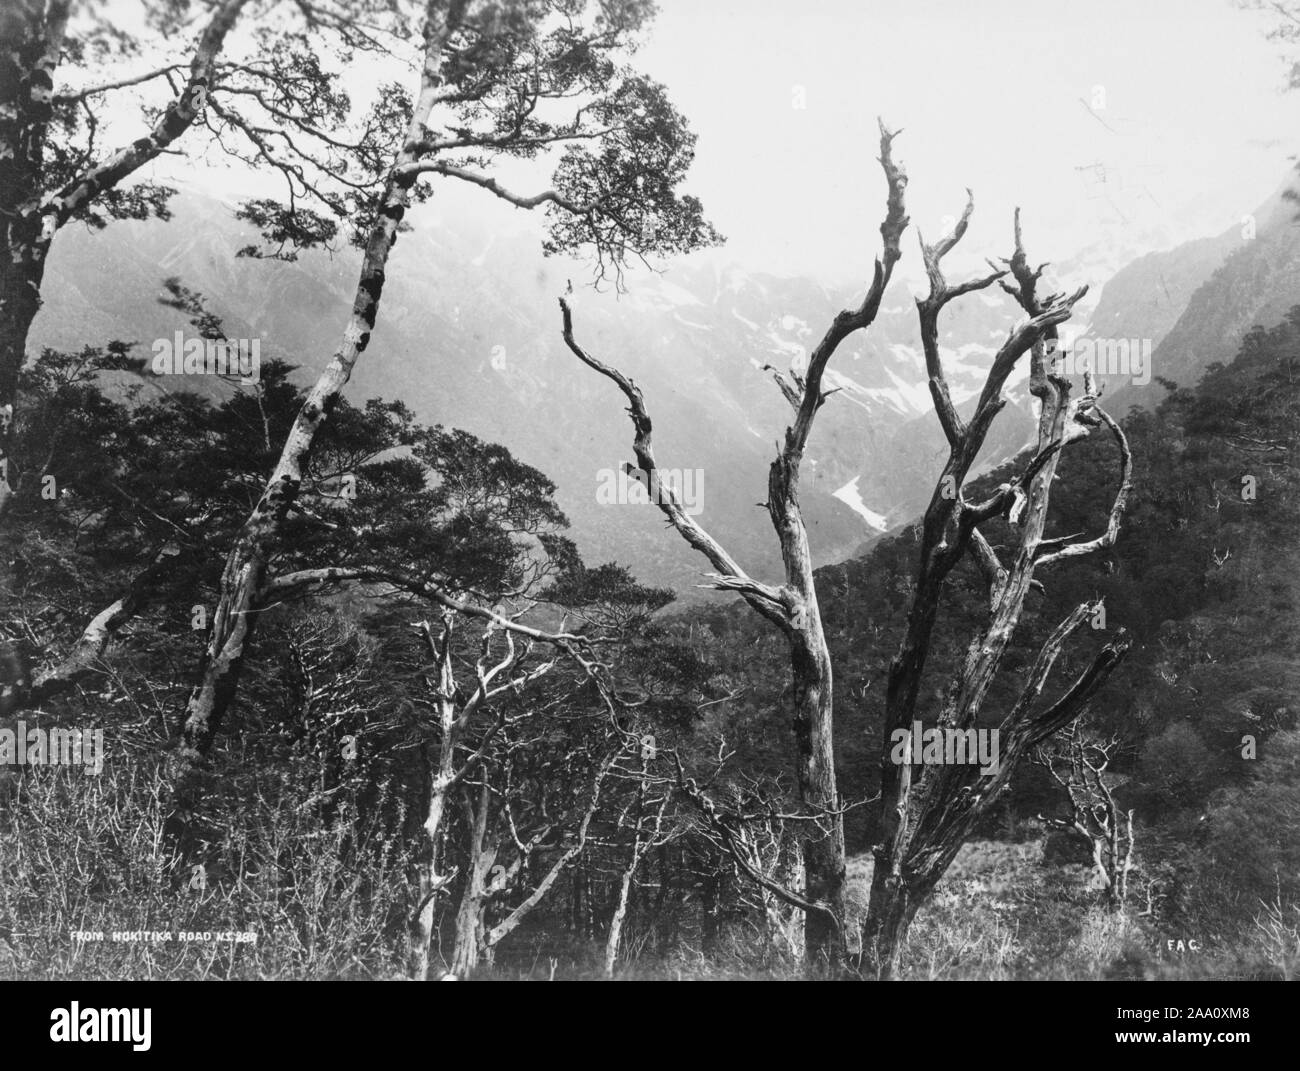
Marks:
<point>540,824</point>
<point>747,826</point>
<point>791,606</point>
<point>1078,764</point>
<point>925,817</point>
<point>644,815</point>
<point>749,836</point>
<point>470,730</point>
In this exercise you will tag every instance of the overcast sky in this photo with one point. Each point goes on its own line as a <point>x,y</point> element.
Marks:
<point>1141,122</point>
<point>1136,125</point>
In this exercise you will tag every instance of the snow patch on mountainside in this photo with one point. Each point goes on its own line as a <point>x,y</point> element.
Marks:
<point>907,397</point>
<point>783,346</point>
<point>848,494</point>
<point>690,323</point>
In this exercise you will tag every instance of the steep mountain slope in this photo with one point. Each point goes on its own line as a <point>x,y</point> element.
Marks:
<point>1255,280</point>
<point>469,336</point>
<point>1142,300</point>
<point>1202,578</point>
<point>1192,304</point>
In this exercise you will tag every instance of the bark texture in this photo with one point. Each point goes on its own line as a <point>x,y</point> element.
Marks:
<point>244,578</point>
<point>791,606</point>
<point>928,812</point>
<point>34,35</point>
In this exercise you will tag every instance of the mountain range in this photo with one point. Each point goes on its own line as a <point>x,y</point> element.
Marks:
<point>468,335</point>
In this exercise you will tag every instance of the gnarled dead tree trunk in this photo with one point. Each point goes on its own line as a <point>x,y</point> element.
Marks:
<point>488,881</point>
<point>927,813</point>
<point>1079,766</point>
<point>645,815</point>
<point>791,606</point>
<point>468,744</point>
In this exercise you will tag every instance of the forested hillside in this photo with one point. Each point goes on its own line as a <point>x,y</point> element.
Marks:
<point>1202,577</point>
<point>423,556</point>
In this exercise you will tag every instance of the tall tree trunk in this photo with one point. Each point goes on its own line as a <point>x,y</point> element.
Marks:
<point>470,941</point>
<point>823,849</point>
<point>645,836</point>
<point>793,606</point>
<point>428,884</point>
<point>928,811</point>
<point>244,578</point>
<point>893,906</point>
<point>616,922</point>
<point>20,282</point>
<point>430,880</point>
<point>33,34</point>
<point>467,951</point>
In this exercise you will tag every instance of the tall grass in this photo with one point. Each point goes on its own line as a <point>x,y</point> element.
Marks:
<point>84,854</point>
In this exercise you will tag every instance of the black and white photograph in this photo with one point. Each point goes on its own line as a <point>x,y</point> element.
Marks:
<point>612,490</point>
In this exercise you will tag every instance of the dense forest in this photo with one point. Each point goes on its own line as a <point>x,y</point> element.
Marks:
<point>313,811</point>
<point>297,683</point>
